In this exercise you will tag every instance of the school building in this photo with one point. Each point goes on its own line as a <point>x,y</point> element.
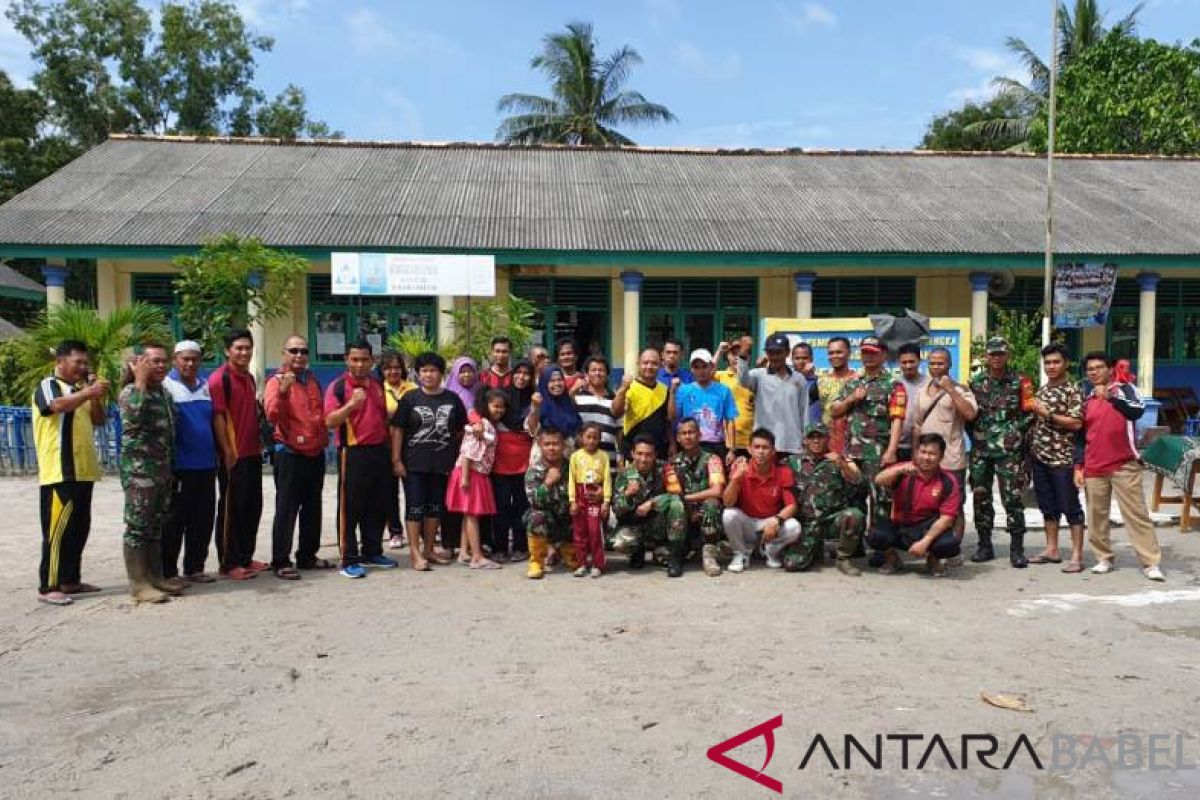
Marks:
<point>621,247</point>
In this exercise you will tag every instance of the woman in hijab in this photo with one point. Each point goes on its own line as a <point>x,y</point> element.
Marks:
<point>463,380</point>
<point>554,406</point>
<point>513,448</point>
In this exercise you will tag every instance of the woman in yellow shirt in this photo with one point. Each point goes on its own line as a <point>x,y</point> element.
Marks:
<point>395,385</point>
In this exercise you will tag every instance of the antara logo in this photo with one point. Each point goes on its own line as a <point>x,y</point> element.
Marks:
<point>766,730</point>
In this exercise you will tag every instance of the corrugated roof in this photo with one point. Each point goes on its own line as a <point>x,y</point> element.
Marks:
<point>142,191</point>
<point>17,283</point>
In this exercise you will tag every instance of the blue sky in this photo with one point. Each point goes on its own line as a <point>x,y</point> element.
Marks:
<point>769,73</point>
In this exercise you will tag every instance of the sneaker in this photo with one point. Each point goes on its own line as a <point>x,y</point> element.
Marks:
<point>240,574</point>
<point>382,561</point>
<point>396,543</point>
<point>595,573</point>
<point>582,572</point>
<point>1154,573</point>
<point>1103,567</point>
<point>354,571</point>
<point>738,562</point>
<point>772,551</point>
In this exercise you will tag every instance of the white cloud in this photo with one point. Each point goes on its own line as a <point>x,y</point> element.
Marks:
<point>810,15</point>
<point>760,133</point>
<point>695,60</point>
<point>986,65</point>
<point>663,12</point>
<point>270,13</point>
<point>372,35</point>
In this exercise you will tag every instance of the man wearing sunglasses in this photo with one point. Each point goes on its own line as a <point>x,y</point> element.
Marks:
<point>295,406</point>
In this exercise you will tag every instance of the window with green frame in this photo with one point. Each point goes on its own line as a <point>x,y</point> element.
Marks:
<point>698,312</point>
<point>579,308</point>
<point>158,289</point>
<point>1176,321</point>
<point>335,319</point>
<point>858,297</point>
<point>1027,296</point>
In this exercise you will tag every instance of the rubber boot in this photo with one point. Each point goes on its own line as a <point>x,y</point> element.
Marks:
<point>984,551</point>
<point>139,583</point>
<point>537,557</point>
<point>708,557</point>
<point>1016,551</point>
<point>173,586</point>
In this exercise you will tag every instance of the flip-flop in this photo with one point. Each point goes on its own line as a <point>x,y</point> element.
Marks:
<point>1042,558</point>
<point>487,563</point>
<point>55,599</point>
<point>287,574</point>
<point>1073,567</point>
<point>81,588</point>
<point>422,566</point>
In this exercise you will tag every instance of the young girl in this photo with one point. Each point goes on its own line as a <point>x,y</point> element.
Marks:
<point>470,490</point>
<point>589,490</point>
<point>462,380</point>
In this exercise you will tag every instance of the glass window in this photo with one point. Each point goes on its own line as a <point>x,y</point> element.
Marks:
<point>568,307</point>
<point>336,319</point>
<point>698,312</point>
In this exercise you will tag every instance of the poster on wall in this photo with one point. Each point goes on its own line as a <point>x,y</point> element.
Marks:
<point>413,274</point>
<point>1082,294</point>
<point>952,333</point>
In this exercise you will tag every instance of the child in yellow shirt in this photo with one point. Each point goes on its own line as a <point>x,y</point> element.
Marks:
<point>589,490</point>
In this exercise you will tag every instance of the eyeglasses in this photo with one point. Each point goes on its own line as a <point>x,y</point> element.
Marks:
<point>297,351</point>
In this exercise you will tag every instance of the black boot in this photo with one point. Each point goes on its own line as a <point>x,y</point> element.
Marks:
<point>1016,551</point>
<point>984,551</point>
<point>637,559</point>
<point>675,564</point>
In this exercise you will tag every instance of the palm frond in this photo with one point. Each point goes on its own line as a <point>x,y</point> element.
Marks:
<point>529,104</point>
<point>1001,129</point>
<point>633,107</point>
<point>1039,73</point>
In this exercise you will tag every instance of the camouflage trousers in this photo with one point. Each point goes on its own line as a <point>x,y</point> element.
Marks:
<point>1008,471</point>
<point>846,526</point>
<point>666,526</point>
<point>147,507</point>
<point>705,531</point>
<point>881,499</point>
<point>552,524</point>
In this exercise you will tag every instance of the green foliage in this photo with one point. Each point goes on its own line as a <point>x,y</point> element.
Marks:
<point>11,393</point>
<point>587,101</point>
<point>475,327</point>
<point>1024,335</point>
<point>959,129</point>
<point>1128,96</point>
<point>217,287</point>
<point>285,117</point>
<point>25,157</point>
<point>411,345</point>
<point>107,337</point>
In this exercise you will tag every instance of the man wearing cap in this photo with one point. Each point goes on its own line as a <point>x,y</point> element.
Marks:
<point>1006,405</point>
<point>828,486</point>
<point>780,393</point>
<point>295,406</point>
<point>873,405</point>
<point>709,403</point>
<point>194,501</point>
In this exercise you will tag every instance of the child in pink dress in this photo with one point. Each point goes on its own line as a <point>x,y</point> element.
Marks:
<point>469,491</point>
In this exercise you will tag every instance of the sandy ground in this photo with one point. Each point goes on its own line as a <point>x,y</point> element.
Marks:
<point>463,684</point>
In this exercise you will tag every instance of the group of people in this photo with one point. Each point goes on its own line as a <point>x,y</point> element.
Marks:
<point>540,459</point>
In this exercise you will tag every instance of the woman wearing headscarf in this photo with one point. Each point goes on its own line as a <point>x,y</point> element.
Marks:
<point>553,407</point>
<point>463,380</point>
<point>513,447</point>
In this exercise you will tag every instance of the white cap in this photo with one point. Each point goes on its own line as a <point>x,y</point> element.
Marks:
<point>701,354</point>
<point>187,346</point>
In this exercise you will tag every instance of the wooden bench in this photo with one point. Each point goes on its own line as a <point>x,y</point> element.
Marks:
<point>1186,499</point>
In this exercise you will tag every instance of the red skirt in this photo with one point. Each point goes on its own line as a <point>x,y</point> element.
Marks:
<point>477,500</point>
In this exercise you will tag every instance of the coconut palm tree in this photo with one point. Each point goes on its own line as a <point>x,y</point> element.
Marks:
<point>587,101</point>
<point>108,339</point>
<point>1076,33</point>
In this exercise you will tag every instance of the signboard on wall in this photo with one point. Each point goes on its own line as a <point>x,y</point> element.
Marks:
<point>952,333</point>
<point>1083,294</point>
<point>412,274</point>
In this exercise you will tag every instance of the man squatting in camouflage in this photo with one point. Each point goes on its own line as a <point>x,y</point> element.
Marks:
<point>829,488</point>
<point>648,508</point>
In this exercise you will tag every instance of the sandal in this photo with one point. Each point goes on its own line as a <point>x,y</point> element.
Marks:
<point>487,563</point>
<point>421,566</point>
<point>55,599</point>
<point>319,563</point>
<point>79,588</point>
<point>287,574</point>
<point>1042,558</point>
<point>1073,567</point>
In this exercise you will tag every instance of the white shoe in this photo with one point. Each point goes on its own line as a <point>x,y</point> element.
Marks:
<point>771,551</point>
<point>595,573</point>
<point>581,572</point>
<point>738,562</point>
<point>1154,573</point>
<point>1103,567</point>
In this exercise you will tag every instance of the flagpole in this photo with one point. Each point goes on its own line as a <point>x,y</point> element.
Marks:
<point>1048,283</point>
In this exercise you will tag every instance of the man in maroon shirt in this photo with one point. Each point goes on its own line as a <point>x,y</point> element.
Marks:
<point>759,501</point>
<point>1109,465</point>
<point>498,375</point>
<point>296,408</point>
<point>239,448</point>
<point>925,503</point>
<point>355,408</point>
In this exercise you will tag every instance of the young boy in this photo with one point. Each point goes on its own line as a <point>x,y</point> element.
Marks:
<point>589,490</point>
<point>548,519</point>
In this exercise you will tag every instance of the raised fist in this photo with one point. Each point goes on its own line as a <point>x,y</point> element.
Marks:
<point>357,398</point>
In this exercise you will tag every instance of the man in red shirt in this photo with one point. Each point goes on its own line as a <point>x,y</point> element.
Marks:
<point>498,375</point>
<point>356,409</point>
<point>1109,465</point>
<point>925,503</point>
<point>235,423</point>
<point>759,501</point>
<point>295,407</point>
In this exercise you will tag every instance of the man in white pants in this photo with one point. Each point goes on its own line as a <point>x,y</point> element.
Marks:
<point>760,502</point>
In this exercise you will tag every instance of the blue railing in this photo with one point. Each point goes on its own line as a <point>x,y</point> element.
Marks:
<point>18,455</point>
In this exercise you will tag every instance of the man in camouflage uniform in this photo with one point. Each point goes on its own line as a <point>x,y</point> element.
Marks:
<point>998,450</point>
<point>827,487</point>
<point>648,508</point>
<point>874,405</point>
<point>147,449</point>
<point>700,477</point>
<point>548,519</point>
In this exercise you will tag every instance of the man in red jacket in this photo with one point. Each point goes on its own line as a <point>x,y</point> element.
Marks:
<point>296,408</point>
<point>1109,465</point>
